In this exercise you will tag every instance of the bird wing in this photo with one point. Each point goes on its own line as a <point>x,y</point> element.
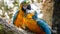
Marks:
<point>45,27</point>
<point>15,16</point>
<point>42,24</point>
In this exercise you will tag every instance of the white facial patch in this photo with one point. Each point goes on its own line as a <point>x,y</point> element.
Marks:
<point>24,7</point>
<point>34,9</point>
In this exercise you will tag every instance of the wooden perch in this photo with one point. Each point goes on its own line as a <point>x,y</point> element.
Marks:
<point>11,28</point>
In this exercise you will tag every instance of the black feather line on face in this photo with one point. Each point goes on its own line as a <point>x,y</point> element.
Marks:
<point>24,10</point>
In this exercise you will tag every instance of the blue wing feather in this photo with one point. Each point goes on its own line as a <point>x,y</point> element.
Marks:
<point>42,24</point>
<point>15,16</point>
<point>45,27</point>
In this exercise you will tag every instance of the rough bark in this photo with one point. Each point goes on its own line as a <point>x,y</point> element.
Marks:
<point>47,10</point>
<point>11,29</point>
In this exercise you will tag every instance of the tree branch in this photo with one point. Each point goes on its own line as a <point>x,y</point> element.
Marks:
<point>11,28</point>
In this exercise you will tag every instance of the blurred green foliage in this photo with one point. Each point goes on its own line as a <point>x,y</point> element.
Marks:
<point>1,26</point>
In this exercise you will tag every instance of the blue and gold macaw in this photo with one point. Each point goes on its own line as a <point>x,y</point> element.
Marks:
<point>23,20</point>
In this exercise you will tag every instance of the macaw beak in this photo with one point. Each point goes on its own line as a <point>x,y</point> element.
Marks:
<point>29,7</point>
<point>26,8</point>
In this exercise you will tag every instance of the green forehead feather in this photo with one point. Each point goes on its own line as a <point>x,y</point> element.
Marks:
<point>25,1</point>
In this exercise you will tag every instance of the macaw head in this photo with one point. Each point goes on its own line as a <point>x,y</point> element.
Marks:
<point>24,6</point>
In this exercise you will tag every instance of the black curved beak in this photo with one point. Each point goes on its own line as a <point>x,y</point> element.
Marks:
<point>29,7</point>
